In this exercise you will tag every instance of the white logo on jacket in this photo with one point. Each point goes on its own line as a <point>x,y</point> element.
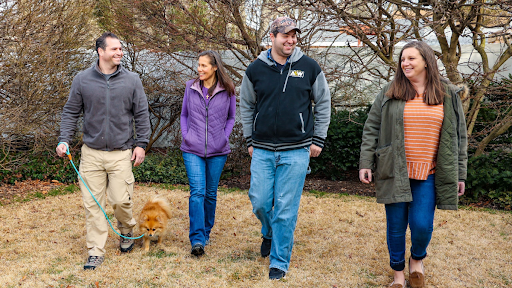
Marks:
<point>297,73</point>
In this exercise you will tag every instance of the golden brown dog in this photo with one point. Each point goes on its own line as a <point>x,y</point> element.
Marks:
<point>153,220</point>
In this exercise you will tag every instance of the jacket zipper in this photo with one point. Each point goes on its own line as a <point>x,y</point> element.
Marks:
<point>108,115</point>
<point>302,122</point>
<point>287,75</point>
<point>254,124</point>
<point>206,128</point>
<point>275,120</point>
<point>206,137</point>
<point>277,109</point>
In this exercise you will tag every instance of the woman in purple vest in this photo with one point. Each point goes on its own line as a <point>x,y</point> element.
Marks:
<point>207,119</point>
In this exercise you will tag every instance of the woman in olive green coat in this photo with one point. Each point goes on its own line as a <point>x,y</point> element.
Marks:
<point>415,142</point>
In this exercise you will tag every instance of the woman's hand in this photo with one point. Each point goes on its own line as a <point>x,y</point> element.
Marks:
<point>462,188</point>
<point>365,175</point>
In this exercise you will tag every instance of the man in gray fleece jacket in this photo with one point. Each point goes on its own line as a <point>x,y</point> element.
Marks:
<point>112,99</point>
<point>282,131</point>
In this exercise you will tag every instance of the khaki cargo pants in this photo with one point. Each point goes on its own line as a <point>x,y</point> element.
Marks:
<point>110,172</point>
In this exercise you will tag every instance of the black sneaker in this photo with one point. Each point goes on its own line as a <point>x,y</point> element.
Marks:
<point>197,249</point>
<point>126,245</point>
<point>266,244</point>
<point>276,274</point>
<point>93,262</point>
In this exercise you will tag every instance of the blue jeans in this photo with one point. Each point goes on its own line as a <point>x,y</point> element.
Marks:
<point>203,178</point>
<point>419,214</point>
<point>277,180</point>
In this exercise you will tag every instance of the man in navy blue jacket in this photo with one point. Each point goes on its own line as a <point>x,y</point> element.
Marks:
<point>282,130</point>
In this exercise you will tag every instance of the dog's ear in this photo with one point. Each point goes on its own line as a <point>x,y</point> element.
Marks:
<point>159,218</point>
<point>144,217</point>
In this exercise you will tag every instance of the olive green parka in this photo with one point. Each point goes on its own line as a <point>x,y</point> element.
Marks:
<point>383,150</point>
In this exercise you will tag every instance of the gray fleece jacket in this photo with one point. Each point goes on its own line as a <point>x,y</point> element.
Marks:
<point>110,107</point>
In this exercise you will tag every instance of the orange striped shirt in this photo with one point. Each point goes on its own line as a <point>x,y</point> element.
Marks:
<point>422,128</point>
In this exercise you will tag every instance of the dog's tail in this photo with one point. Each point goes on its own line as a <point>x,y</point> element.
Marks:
<point>162,201</point>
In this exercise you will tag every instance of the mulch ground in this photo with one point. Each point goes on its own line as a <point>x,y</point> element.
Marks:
<point>351,185</point>
<point>21,189</point>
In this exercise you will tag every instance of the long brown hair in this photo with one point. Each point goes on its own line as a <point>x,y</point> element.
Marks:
<point>401,88</point>
<point>220,74</point>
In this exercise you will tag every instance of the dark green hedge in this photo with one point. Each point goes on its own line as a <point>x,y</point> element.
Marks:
<point>162,168</point>
<point>490,178</point>
<point>45,166</point>
<point>157,167</point>
<point>342,146</point>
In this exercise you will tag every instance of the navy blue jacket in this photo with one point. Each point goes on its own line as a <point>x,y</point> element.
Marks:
<point>276,105</point>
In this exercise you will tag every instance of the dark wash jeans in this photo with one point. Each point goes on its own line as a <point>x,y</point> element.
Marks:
<point>203,178</point>
<point>419,215</point>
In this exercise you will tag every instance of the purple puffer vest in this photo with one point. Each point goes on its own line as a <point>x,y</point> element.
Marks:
<point>205,136</point>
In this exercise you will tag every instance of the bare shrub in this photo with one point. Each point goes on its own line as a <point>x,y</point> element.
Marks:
<point>41,50</point>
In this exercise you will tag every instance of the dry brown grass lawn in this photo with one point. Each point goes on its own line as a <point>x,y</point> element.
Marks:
<point>340,241</point>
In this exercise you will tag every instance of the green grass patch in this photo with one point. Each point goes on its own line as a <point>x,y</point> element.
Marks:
<point>317,193</point>
<point>230,190</point>
<point>111,216</point>
<point>484,209</point>
<point>63,190</point>
<point>166,186</point>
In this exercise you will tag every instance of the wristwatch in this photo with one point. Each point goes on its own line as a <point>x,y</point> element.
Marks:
<point>142,146</point>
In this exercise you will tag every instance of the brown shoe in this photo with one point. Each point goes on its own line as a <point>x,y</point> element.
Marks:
<point>417,278</point>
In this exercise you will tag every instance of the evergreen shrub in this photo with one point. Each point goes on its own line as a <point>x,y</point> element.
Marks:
<point>157,167</point>
<point>41,166</point>
<point>342,146</point>
<point>162,168</point>
<point>490,178</point>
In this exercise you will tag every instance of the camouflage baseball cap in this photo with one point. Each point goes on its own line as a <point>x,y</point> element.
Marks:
<point>283,25</point>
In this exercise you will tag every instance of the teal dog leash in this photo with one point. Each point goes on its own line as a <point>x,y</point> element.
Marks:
<point>104,213</point>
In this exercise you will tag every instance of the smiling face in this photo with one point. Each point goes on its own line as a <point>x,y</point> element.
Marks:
<point>111,56</point>
<point>413,65</point>
<point>205,69</point>
<point>283,45</point>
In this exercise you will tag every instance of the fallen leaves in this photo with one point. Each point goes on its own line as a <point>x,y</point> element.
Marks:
<point>22,188</point>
